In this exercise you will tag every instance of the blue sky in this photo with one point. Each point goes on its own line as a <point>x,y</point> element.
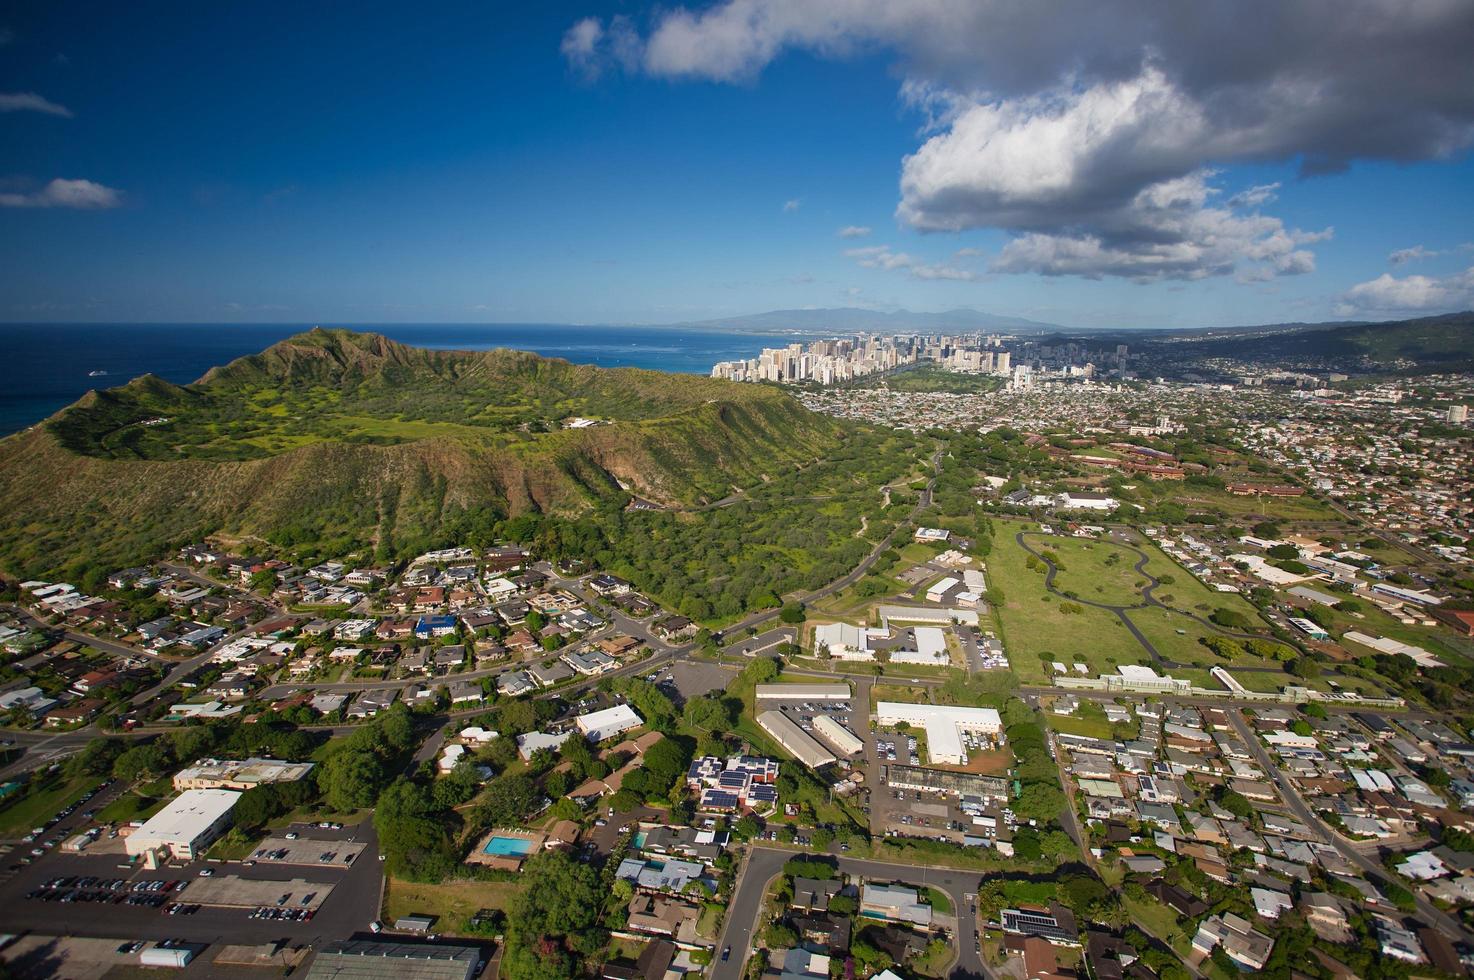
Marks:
<point>605,163</point>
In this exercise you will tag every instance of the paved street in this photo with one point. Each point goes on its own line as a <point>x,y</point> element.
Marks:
<point>1373,870</point>
<point>763,864</point>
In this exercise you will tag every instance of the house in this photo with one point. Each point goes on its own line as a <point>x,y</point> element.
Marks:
<point>464,692</point>
<point>590,663</point>
<point>450,656</point>
<point>662,915</point>
<point>78,711</point>
<point>894,903</point>
<point>553,672</point>
<point>1056,923</point>
<point>1397,941</point>
<point>1176,898</point>
<point>674,628</point>
<point>608,585</point>
<point>1243,944</point>
<point>813,895</point>
<point>429,627</point>
<point>1326,915</point>
<point>370,703</point>
<point>823,932</point>
<point>515,683</point>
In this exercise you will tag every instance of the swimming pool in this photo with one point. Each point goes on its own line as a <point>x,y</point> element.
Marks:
<point>508,846</point>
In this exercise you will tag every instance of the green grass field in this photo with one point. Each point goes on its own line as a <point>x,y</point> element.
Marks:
<point>42,802</point>
<point>1032,623</point>
<point>452,902</point>
<point>1161,628</point>
<point>1094,570</point>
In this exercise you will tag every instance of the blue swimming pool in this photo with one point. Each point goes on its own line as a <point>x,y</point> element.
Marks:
<point>508,846</point>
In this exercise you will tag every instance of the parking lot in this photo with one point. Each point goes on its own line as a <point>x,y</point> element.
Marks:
<point>804,713</point>
<point>125,901</point>
<point>693,678</point>
<point>307,850</point>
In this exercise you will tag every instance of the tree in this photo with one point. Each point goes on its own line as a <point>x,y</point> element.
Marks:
<point>1235,803</point>
<point>746,827</point>
<point>1284,552</point>
<point>709,713</point>
<point>142,762</point>
<point>762,670</point>
<point>1301,727</point>
<point>350,779</point>
<point>1306,667</point>
<point>1266,529</point>
<point>793,613</point>
<point>535,621</point>
<point>1230,619</point>
<point>556,910</point>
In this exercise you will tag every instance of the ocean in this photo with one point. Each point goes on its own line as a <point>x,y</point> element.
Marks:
<point>46,367</point>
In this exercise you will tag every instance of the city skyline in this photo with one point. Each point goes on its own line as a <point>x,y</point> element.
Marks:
<point>596,164</point>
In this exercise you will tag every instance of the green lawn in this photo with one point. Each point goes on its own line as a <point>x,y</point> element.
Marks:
<point>131,806</point>
<point>1032,624</point>
<point>1161,626</point>
<point>452,902</point>
<point>939,901</point>
<point>1097,571</point>
<point>45,798</point>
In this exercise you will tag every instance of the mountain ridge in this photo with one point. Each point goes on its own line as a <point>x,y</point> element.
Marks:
<point>359,441</point>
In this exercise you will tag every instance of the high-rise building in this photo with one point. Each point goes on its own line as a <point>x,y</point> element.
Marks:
<point>1458,414</point>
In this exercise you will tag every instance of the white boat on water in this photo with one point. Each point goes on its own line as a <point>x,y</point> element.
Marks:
<point>96,374</point>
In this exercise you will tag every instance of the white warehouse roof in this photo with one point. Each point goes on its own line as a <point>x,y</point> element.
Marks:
<point>803,692</point>
<point>605,724</point>
<point>187,816</point>
<point>944,725</point>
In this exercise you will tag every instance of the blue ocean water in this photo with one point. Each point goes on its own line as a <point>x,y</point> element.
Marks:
<point>46,367</point>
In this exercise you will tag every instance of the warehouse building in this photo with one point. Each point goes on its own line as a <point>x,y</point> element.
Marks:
<point>357,959</point>
<point>599,726</point>
<point>837,735</point>
<point>803,692</point>
<point>794,739</point>
<point>944,726</point>
<point>191,822</point>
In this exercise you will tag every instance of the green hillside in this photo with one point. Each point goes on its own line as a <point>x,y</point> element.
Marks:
<point>343,440</point>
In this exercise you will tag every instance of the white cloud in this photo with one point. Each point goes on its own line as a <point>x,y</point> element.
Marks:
<point>1055,119</point>
<point>81,195</point>
<point>1388,294</point>
<point>1170,230</point>
<point>1417,253</point>
<point>882,257</point>
<point>854,231</point>
<point>31,102</point>
<point>791,205</point>
<point>581,44</point>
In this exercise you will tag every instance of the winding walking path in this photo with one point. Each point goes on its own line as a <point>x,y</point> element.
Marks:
<point>1149,601</point>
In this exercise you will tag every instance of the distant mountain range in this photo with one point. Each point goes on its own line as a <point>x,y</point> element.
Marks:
<point>1436,343</point>
<point>855,320</point>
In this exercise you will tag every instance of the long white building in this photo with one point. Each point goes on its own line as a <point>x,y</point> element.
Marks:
<point>798,743</point>
<point>943,724</point>
<point>837,735</point>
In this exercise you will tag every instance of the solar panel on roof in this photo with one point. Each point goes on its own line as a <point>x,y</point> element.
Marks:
<point>719,798</point>
<point>763,793</point>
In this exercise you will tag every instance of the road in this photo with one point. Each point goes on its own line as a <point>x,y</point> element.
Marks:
<point>763,864</point>
<point>1430,913</point>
